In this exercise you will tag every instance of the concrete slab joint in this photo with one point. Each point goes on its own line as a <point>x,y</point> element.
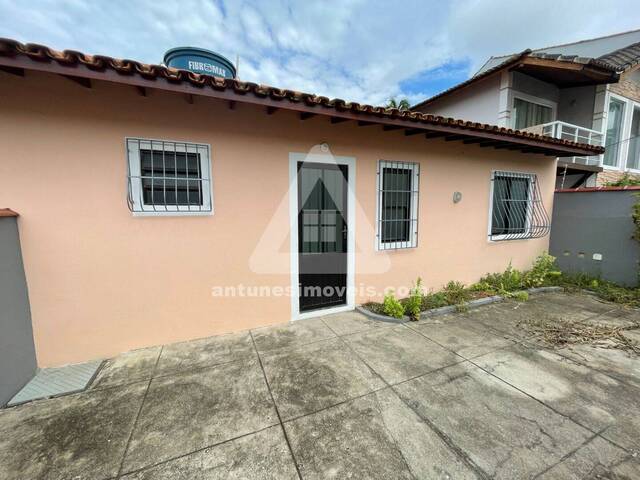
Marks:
<point>466,395</point>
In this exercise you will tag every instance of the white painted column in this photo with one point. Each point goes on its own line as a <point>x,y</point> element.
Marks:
<point>504,100</point>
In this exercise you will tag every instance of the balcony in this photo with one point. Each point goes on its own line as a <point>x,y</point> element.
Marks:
<point>573,133</point>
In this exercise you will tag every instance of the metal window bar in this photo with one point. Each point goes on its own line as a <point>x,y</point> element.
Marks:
<point>166,176</point>
<point>517,209</point>
<point>398,195</point>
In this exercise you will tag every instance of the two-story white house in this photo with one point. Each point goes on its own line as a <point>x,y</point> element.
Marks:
<point>587,91</point>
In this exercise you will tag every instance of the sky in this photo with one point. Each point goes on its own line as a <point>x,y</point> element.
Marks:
<point>363,51</point>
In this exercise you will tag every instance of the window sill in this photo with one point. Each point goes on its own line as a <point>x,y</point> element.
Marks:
<point>391,246</point>
<point>172,214</point>
<point>509,238</point>
<point>612,168</point>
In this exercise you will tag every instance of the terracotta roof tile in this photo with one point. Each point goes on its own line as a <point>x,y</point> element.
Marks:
<point>124,67</point>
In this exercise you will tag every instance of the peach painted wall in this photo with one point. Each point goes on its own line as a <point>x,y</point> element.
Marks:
<point>102,282</point>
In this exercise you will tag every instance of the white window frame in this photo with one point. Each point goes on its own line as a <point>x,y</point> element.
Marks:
<point>632,105</point>
<point>415,181</point>
<point>621,158</point>
<point>132,149</point>
<point>527,230</point>
<point>543,102</point>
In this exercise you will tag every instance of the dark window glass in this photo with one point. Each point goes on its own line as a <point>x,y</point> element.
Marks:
<point>396,204</point>
<point>322,195</point>
<point>170,178</point>
<point>529,114</point>
<point>510,205</point>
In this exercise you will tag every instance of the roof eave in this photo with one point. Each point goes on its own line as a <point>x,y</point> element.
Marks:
<point>590,73</point>
<point>308,105</point>
<point>594,75</point>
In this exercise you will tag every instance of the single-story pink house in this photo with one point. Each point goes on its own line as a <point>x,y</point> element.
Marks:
<point>158,205</point>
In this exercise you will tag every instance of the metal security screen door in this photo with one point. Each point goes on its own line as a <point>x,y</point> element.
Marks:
<point>322,235</point>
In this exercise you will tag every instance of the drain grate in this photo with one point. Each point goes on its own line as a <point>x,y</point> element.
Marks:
<point>52,382</point>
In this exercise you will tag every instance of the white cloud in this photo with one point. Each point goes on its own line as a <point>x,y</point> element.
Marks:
<point>351,49</point>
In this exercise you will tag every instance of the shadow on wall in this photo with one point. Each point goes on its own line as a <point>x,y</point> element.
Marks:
<point>592,232</point>
<point>17,351</point>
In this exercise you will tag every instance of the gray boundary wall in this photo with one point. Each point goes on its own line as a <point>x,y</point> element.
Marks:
<point>17,351</point>
<point>592,231</point>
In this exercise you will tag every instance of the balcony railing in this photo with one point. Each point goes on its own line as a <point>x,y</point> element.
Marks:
<point>572,133</point>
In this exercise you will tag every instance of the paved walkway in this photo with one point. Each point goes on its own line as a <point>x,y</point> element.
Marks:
<point>460,396</point>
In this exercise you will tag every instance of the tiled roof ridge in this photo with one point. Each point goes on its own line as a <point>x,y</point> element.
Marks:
<point>585,40</point>
<point>577,42</point>
<point>624,58</point>
<point>71,58</point>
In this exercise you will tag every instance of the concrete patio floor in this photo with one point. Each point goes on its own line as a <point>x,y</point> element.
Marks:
<point>461,396</point>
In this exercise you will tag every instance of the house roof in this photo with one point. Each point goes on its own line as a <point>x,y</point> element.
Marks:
<point>614,53</point>
<point>623,58</point>
<point>594,48</point>
<point>568,68</point>
<point>16,58</point>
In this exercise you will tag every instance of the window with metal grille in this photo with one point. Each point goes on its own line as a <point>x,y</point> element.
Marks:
<point>397,223</point>
<point>516,207</point>
<point>168,178</point>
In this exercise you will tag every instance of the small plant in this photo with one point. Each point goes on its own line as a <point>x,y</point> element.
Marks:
<point>625,181</point>
<point>391,306</point>
<point>520,296</point>
<point>508,281</point>
<point>635,215</point>
<point>481,287</point>
<point>455,293</point>
<point>461,307</point>
<point>434,300</point>
<point>606,290</point>
<point>413,304</point>
<point>543,271</point>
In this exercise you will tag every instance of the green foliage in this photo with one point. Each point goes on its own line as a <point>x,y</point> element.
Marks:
<point>402,104</point>
<point>392,307</point>
<point>413,304</point>
<point>455,293</point>
<point>461,307</point>
<point>510,280</point>
<point>635,215</point>
<point>625,181</point>
<point>482,287</point>
<point>543,271</point>
<point>511,284</point>
<point>434,300</point>
<point>520,296</point>
<point>606,290</point>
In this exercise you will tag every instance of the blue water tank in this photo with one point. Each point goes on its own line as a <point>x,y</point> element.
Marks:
<point>199,60</point>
